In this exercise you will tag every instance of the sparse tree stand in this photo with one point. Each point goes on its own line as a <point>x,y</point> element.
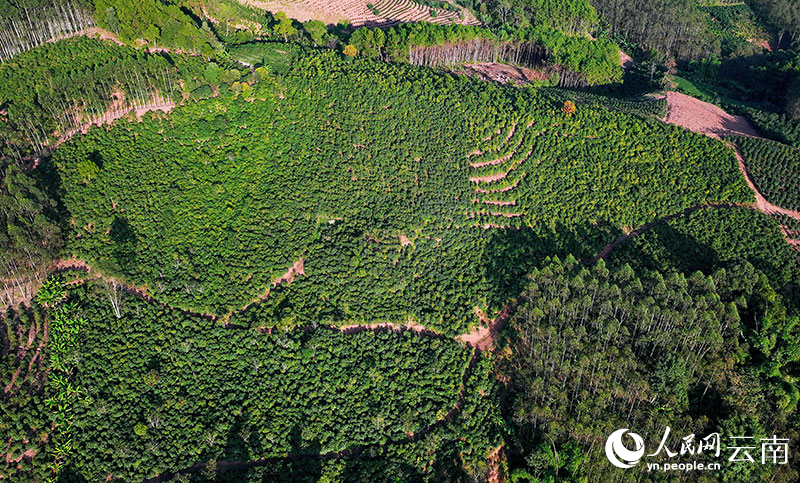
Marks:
<point>284,26</point>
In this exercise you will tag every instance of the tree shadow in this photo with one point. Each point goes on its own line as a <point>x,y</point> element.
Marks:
<point>303,463</point>
<point>124,240</point>
<point>511,254</point>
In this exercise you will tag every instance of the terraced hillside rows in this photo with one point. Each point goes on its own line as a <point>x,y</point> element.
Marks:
<point>496,172</point>
<point>367,179</point>
<point>357,12</point>
<point>593,167</point>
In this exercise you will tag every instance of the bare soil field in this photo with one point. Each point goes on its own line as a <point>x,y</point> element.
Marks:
<point>705,118</point>
<point>356,12</point>
<point>711,120</point>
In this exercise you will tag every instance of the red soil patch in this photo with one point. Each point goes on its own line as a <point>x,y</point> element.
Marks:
<point>93,32</point>
<point>495,202</point>
<point>493,161</point>
<point>763,43</point>
<point>410,325</point>
<point>501,190</point>
<point>761,203</point>
<point>708,119</point>
<point>112,115</point>
<point>496,458</point>
<point>625,60</point>
<point>483,335</point>
<point>489,178</point>
<point>705,118</point>
<point>298,269</point>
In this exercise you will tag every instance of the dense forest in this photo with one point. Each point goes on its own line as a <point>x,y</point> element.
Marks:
<point>593,350</point>
<point>235,246</point>
<point>333,143</point>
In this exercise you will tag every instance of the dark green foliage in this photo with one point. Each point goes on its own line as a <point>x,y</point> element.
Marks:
<point>30,236</point>
<point>779,127</point>
<point>710,239</point>
<point>61,87</point>
<point>674,27</point>
<point>195,391</point>
<point>570,16</point>
<point>645,106</point>
<point>774,168</point>
<point>591,351</point>
<point>57,87</point>
<point>784,18</point>
<point>735,26</point>
<point>24,419</point>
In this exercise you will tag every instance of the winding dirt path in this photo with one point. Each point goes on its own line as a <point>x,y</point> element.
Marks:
<point>297,269</point>
<point>478,339</point>
<point>606,251</point>
<point>484,336</point>
<point>761,203</point>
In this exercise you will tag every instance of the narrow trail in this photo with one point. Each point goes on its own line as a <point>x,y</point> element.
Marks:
<point>706,118</point>
<point>484,336</point>
<point>479,339</point>
<point>295,270</point>
<point>110,116</point>
<point>761,202</point>
<point>606,251</point>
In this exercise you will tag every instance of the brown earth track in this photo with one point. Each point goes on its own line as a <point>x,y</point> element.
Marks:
<point>708,119</point>
<point>483,336</point>
<point>606,251</point>
<point>22,351</point>
<point>705,118</point>
<point>502,73</point>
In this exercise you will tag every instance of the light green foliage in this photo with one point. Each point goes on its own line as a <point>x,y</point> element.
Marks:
<point>317,31</point>
<point>211,225</point>
<point>593,61</point>
<point>154,22</point>
<point>276,57</point>
<point>284,27</point>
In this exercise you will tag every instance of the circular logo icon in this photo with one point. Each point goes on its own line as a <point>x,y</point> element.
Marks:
<point>618,454</point>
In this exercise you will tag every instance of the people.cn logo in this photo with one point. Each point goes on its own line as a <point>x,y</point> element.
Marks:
<point>618,454</point>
